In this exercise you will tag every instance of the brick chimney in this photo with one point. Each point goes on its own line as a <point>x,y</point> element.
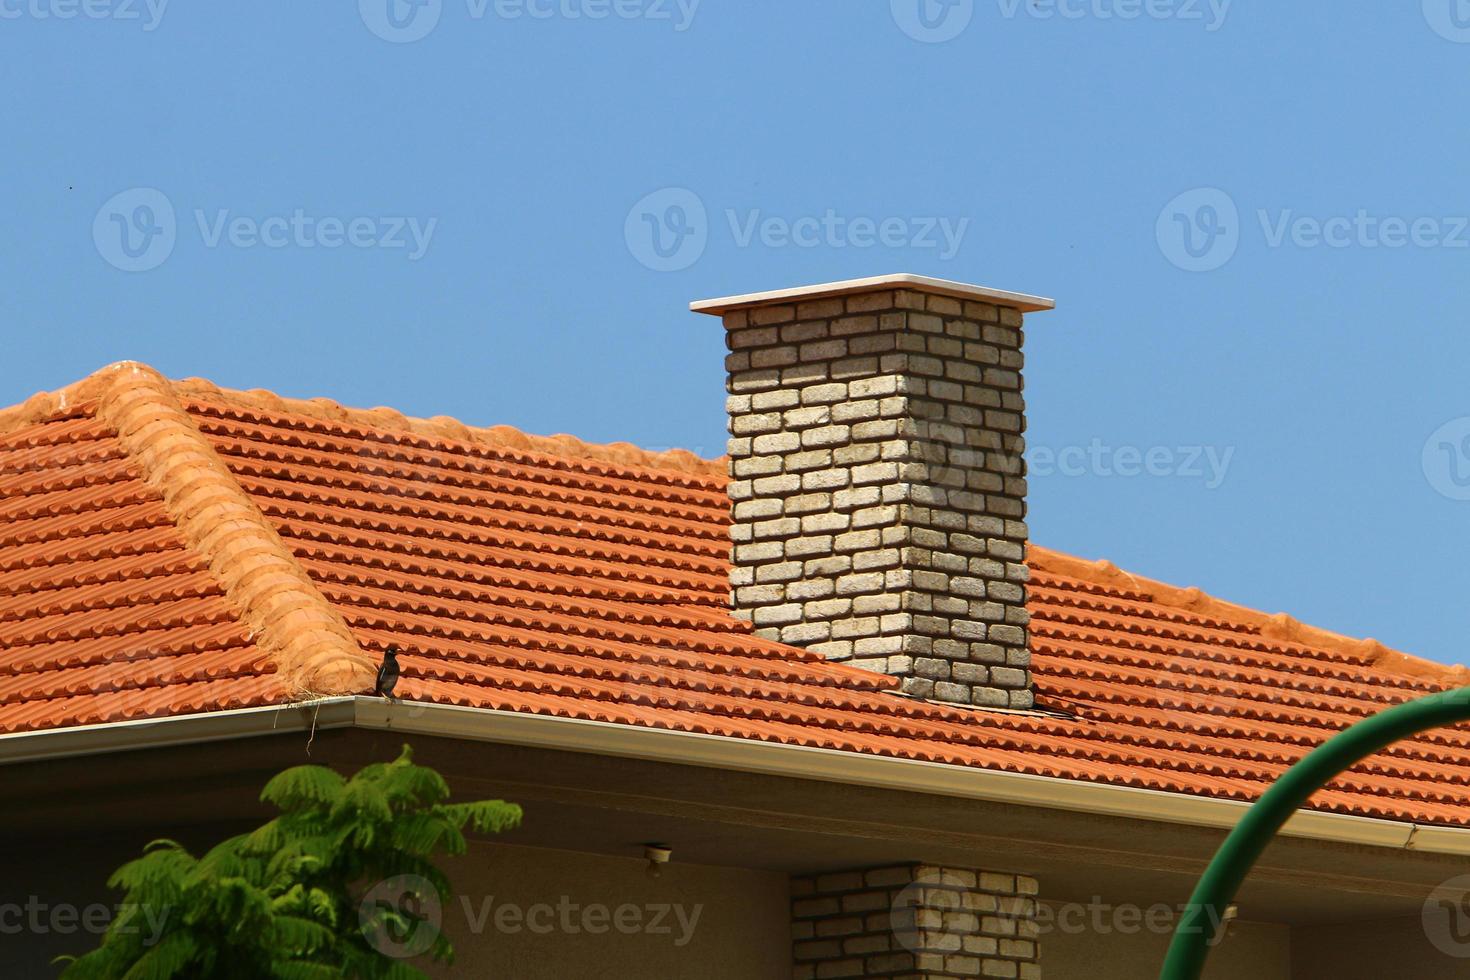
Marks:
<point>877,485</point>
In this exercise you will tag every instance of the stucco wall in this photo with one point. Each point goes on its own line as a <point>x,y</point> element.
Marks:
<point>1371,950</point>
<point>1346,951</point>
<point>735,923</point>
<point>720,923</point>
<point>1254,950</point>
<point>735,926</point>
<point>54,900</point>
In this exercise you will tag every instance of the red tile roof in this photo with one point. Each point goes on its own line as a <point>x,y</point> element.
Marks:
<point>105,611</point>
<point>171,547</point>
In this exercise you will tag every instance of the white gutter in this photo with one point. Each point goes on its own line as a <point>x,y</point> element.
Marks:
<point>157,733</point>
<point>717,752</point>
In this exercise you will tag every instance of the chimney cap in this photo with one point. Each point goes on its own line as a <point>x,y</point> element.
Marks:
<point>898,280</point>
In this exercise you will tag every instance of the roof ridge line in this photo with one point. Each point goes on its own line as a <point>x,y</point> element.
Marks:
<point>309,641</point>
<point>48,403</point>
<point>1279,626</point>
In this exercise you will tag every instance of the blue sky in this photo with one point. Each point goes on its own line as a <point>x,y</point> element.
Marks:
<point>1252,216</point>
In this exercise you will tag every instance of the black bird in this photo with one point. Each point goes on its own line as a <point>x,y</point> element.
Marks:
<point>388,673</point>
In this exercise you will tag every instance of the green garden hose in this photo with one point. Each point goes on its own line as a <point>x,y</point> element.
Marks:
<point>1203,917</point>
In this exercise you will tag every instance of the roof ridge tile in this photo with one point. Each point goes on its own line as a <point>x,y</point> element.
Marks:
<point>50,404</point>
<point>1279,626</point>
<point>303,634</point>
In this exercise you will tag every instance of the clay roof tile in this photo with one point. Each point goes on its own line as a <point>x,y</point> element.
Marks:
<point>170,547</point>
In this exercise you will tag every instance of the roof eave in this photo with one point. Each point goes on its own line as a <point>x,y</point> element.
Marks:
<point>717,752</point>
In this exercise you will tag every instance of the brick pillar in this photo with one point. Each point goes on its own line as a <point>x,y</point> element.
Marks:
<point>877,481</point>
<point>916,922</point>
